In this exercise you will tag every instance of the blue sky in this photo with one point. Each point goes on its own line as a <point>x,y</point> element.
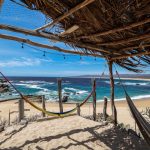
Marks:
<point>18,61</point>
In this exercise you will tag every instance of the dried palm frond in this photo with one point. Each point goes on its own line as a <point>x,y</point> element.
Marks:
<point>98,17</point>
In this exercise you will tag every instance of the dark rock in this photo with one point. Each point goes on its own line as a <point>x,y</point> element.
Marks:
<point>65,99</point>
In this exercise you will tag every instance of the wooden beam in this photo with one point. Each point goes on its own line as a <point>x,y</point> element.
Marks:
<point>127,27</point>
<point>66,14</point>
<point>70,30</point>
<point>130,55</point>
<point>14,38</point>
<point>125,41</point>
<point>26,31</point>
<point>135,47</point>
<point>51,37</point>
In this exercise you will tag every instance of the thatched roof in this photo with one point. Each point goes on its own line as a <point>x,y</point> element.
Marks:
<point>115,29</point>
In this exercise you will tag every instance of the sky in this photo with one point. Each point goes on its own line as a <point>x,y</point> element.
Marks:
<point>18,60</point>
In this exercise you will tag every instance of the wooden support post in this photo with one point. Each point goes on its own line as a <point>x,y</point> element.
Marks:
<point>60,95</point>
<point>9,118</point>
<point>43,105</point>
<point>105,109</point>
<point>94,98</point>
<point>21,109</point>
<point>113,108</point>
<point>78,109</point>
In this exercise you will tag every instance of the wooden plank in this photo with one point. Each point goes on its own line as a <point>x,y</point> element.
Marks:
<point>94,98</point>
<point>59,81</point>
<point>127,27</point>
<point>21,109</point>
<point>43,105</point>
<point>70,30</point>
<point>66,14</point>
<point>14,38</point>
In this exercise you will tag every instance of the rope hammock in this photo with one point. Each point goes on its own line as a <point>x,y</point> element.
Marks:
<point>143,125</point>
<point>44,111</point>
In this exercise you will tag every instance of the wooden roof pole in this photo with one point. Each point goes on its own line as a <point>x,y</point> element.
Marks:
<point>14,38</point>
<point>26,31</point>
<point>130,55</point>
<point>118,29</point>
<point>124,41</point>
<point>50,37</point>
<point>66,14</point>
<point>135,47</point>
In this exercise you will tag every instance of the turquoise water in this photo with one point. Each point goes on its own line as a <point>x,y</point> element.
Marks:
<point>76,88</point>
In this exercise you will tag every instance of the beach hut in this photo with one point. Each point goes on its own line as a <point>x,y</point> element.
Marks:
<point>116,30</point>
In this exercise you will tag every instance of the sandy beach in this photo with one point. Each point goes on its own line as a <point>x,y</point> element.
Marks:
<point>123,112</point>
<point>73,132</point>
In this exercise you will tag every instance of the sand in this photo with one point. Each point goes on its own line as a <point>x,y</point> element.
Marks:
<point>124,115</point>
<point>73,132</point>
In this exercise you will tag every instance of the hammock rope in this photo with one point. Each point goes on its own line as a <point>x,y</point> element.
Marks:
<point>143,125</point>
<point>48,112</point>
<point>42,110</point>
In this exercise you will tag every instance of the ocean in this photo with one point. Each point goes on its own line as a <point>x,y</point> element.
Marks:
<point>76,88</point>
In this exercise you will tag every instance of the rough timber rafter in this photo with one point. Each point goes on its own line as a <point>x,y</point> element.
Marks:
<point>50,37</point>
<point>125,41</point>
<point>135,47</point>
<point>27,41</point>
<point>66,14</point>
<point>127,27</point>
<point>130,55</point>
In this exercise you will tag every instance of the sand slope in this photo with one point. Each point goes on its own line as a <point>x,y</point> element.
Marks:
<point>73,133</point>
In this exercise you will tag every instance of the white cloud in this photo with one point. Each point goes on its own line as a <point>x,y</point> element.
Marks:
<point>23,62</point>
<point>83,62</point>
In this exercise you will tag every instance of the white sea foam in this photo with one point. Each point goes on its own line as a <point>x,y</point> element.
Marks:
<point>131,83</point>
<point>140,83</point>
<point>32,86</point>
<point>108,82</point>
<point>37,82</point>
<point>71,89</point>
<point>133,98</point>
<point>77,91</point>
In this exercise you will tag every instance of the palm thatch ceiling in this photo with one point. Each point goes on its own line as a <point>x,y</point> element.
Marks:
<point>116,29</point>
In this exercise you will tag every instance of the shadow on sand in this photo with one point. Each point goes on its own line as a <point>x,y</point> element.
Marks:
<point>12,134</point>
<point>113,138</point>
